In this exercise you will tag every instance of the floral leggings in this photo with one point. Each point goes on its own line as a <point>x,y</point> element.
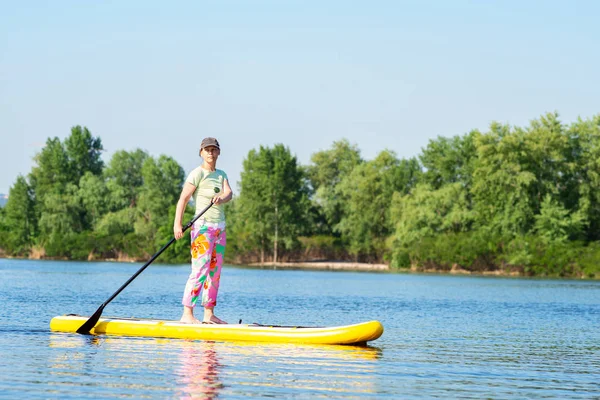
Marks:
<point>208,249</point>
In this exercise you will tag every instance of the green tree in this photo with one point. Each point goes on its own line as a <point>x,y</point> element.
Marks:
<point>366,194</point>
<point>163,179</point>
<point>51,174</point>
<point>328,169</point>
<point>448,161</point>
<point>273,200</point>
<point>515,171</point>
<point>584,189</point>
<point>83,152</point>
<point>18,219</point>
<point>124,178</point>
<point>427,212</point>
<point>556,224</point>
<point>93,195</point>
<point>55,181</point>
<point>501,186</point>
<point>117,223</point>
<point>60,220</point>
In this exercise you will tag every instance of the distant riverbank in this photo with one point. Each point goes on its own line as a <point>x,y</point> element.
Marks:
<point>329,265</point>
<point>512,271</point>
<point>356,266</point>
<point>332,265</point>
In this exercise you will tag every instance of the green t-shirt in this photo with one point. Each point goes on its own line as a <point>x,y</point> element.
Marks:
<point>208,185</point>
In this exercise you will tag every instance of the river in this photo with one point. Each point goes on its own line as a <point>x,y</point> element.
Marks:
<point>445,336</point>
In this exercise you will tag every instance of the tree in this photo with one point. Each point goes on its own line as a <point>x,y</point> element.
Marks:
<point>124,178</point>
<point>83,152</point>
<point>515,171</point>
<point>60,220</point>
<point>449,160</point>
<point>163,179</point>
<point>328,169</point>
<point>556,224</point>
<point>584,190</point>
<point>427,212</point>
<point>93,195</point>
<point>18,221</point>
<point>51,174</point>
<point>501,185</point>
<point>273,201</point>
<point>366,195</point>
<point>55,181</point>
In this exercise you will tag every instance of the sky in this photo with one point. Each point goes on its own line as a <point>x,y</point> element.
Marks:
<point>160,76</point>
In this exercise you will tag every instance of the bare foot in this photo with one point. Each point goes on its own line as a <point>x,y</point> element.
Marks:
<point>186,319</point>
<point>215,320</point>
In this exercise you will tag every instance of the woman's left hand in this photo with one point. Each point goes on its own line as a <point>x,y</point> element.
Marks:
<point>217,200</point>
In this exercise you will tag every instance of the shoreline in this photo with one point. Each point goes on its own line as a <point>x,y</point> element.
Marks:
<point>323,265</point>
<point>367,267</point>
<point>334,266</point>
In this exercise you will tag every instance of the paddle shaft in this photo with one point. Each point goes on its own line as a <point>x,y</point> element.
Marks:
<point>93,320</point>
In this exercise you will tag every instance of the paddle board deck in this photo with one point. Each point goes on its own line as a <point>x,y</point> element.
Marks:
<point>350,334</point>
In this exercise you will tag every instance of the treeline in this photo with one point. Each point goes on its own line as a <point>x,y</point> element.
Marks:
<point>512,199</point>
<point>73,206</point>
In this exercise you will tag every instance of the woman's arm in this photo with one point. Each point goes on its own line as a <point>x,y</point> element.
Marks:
<point>184,198</point>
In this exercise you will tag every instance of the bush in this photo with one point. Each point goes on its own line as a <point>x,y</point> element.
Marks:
<point>589,261</point>
<point>469,250</point>
<point>540,257</point>
<point>323,247</point>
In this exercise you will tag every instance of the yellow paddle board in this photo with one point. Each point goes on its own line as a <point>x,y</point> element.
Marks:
<point>348,334</point>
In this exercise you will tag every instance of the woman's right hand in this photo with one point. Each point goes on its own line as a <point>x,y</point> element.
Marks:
<point>177,231</point>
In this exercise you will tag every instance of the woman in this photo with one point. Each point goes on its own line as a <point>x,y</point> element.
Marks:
<point>205,184</point>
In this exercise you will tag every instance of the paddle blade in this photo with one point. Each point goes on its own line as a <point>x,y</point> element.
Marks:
<point>91,322</point>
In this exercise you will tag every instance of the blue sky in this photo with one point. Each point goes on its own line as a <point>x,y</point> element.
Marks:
<point>160,75</point>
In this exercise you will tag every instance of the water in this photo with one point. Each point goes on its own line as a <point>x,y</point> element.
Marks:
<point>445,336</point>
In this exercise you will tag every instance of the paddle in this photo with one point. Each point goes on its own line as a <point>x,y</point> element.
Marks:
<point>93,320</point>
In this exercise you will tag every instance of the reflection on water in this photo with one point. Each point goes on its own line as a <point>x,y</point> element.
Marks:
<point>198,368</point>
<point>318,369</point>
<point>198,375</point>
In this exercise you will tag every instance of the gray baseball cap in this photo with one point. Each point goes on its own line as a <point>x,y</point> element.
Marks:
<point>209,141</point>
